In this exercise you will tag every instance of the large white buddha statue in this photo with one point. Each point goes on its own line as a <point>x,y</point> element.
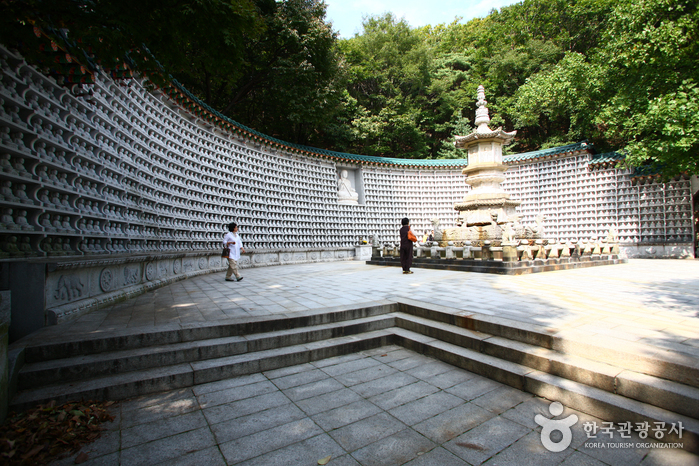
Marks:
<point>345,192</point>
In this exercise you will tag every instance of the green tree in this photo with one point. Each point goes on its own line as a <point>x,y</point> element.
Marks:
<point>387,75</point>
<point>106,32</point>
<point>289,83</point>
<point>558,107</point>
<point>651,76</point>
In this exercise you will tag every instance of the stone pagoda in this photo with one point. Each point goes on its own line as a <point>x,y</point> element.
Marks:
<point>487,203</point>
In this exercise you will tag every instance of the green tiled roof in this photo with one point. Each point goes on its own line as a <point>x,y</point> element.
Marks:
<point>538,154</point>
<point>608,157</point>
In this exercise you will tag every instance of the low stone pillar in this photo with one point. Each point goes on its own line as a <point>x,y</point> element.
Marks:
<point>449,251</point>
<point>554,249</point>
<point>467,250</point>
<point>596,249</point>
<point>509,253</point>
<point>434,250</point>
<point>539,252</point>
<point>485,251</point>
<point>362,252</point>
<point>565,250</point>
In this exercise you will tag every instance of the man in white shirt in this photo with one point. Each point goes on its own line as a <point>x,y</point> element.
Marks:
<point>233,242</point>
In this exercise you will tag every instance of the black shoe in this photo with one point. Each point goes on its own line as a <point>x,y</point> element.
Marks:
<point>238,279</point>
<point>229,280</point>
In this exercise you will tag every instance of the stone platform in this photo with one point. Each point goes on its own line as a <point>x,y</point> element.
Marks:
<point>388,399</point>
<point>501,267</point>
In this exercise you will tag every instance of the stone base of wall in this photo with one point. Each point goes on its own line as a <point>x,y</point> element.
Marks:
<point>74,286</point>
<point>659,251</point>
<point>5,297</point>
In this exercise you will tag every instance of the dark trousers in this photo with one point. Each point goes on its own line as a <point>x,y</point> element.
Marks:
<point>406,256</point>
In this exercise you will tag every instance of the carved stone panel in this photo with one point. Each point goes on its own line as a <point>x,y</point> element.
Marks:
<point>107,280</point>
<point>131,275</point>
<point>150,271</point>
<point>69,288</point>
<point>188,265</point>
<point>215,262</point>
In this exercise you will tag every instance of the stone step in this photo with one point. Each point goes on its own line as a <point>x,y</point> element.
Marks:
<point>140,382</point>
<point>116,362</point>
<point>644,359</point>
<point>669,395</point>
<point>135,338</point>
<point>591,400</point>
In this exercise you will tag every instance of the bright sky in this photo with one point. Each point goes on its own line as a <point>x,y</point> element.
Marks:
<point>346,15</point>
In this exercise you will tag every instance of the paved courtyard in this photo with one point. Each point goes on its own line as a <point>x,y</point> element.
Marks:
<point>653,302</point>
<point>383,407</point>
<point>388,406</point>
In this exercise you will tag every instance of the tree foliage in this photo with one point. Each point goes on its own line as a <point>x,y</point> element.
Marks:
<point>288,83</point>
<point>650,74</point>
<point>622,74</point>
<point>108,32</point>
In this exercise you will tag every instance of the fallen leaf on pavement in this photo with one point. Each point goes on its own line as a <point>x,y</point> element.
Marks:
<point>472,446</point>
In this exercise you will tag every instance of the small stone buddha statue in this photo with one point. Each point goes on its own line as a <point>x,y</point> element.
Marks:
<point>21,221</point>
<point>25,246</point>
<point>10,247</point>
<point>6,192</point>
<point>6,164</point>
<point>56,247</point>
<point>66,247</point>
<point>65,203</point>
<point>66,224</point>
<point>21,193</point>
<point>45,222</point>
<point>8,221</point>
<point>20,168</point>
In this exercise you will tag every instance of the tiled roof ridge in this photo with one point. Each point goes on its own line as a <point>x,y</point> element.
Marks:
<point>193,104</point>
<point>550,152</point>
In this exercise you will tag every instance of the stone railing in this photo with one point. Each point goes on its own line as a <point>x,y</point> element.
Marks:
<point>525,256</point>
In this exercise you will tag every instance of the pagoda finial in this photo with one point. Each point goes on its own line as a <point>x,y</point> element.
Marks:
<point>482,117</point>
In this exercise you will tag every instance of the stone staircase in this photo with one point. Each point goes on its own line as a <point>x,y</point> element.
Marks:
<point>616,383</point>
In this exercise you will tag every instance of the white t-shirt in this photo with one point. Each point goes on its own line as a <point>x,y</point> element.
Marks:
<point>235,248</point>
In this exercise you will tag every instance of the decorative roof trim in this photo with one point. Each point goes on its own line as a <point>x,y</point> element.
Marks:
<point>513,159</point>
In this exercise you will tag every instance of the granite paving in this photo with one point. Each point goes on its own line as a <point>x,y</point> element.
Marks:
<point>410,422</point>
<point>388,406</point>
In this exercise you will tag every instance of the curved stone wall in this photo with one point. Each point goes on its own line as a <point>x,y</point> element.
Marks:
<point>109,190</point>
